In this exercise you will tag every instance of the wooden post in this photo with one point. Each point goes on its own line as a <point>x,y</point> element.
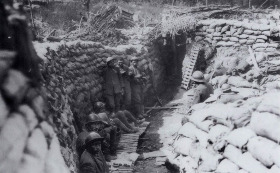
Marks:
<point>206,2</point>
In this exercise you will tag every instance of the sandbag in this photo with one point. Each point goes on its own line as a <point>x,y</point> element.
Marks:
<point>226,166</point>
<point>274,169</point>
<point>238,81</point>
<point>183,145</point>
<point>239,137</point>
<point>210,161</point>
<point>232,153</point>
<point>217,132</point>
<point>250,164</point>
<point>270,103</point>
<point>266,124</point>
<point>262,149</point>
<point>191,131</point>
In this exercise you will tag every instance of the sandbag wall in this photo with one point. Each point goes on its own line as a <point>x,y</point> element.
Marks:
<point>28,141</point>
<point>231,138</point>
<point>227,33</point>
<point>73,74</point>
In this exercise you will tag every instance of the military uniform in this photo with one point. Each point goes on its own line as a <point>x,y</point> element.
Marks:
<point>113,87</point>
<point>125,77</point>
<point>137,91</point>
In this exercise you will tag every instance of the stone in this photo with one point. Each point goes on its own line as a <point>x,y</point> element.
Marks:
<point>15,85</point>
<point>4,111</point>
<point>38,105</point>
<point>13,138</point>
<point>35,153</point>
<point>29,116</point>
<point>54,162</point>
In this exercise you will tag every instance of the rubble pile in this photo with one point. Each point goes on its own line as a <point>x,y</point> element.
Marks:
<point>28,141</point>
<point>228,33</point>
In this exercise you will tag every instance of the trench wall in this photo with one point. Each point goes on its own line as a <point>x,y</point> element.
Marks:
<point>232,33</point>
<point>29,143</point>
<point>73,73</point>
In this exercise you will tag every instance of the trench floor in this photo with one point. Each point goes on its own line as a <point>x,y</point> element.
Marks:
<point>150,140</point>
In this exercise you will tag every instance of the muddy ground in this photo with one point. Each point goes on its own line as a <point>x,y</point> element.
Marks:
<point>150,140</point>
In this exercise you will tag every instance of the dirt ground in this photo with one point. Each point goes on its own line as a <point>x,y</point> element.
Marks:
<point>150,140</point>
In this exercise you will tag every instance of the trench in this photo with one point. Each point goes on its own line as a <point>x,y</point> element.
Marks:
<point>174,53</point>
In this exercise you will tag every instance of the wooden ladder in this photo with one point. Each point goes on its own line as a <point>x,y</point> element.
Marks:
<point>190,67</point>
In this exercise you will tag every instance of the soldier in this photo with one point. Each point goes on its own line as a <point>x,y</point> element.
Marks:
<point>92,159</point>
<point>114,120</point>
<point>113,86</point>
<point>137,86</point>
<point>95,124</point>
<point>125,76</point>
<point>202,88</point>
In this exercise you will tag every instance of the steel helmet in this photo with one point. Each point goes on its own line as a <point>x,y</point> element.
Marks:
<point>92,118</point>
<point>91,138</point>
<point>109,59</point>
<point>104,118</point>
<point>99,106</point>
<point>134,58</point>
<point>197,76</point>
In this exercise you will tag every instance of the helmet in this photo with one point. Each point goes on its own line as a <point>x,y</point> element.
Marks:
<point>197,76</point>
<point>104,118</point>
<point>226,87</point>
<point>92,118</point>
<point>109,59</point>
<point>134,58</point>
<point>91,138</point>
<point>99,106</point>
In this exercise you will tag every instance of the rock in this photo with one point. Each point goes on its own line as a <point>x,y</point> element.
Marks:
<point>35,153</point>
<point>29,116</point>
<point>13,138</point>
<point>4,111</point>
<point>15,86</point>
<point>54,161</point>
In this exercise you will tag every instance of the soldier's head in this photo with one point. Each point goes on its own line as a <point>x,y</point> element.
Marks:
<point>121,62</point>
<point>93,142</point>
<point>94,123</point>
<point>111,61</point>
<point>134,61</point>
<point>197,77</point>
<point>99,107</point>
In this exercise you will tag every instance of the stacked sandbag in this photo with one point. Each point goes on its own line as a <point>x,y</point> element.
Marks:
<point>28,141</point>
<point>74,80</point>
<point>242,136</point>
<point>233,33</point>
